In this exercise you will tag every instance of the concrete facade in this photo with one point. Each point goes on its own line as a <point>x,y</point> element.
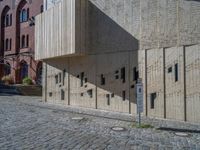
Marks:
<point>17,39</point>
<point>155,39</point>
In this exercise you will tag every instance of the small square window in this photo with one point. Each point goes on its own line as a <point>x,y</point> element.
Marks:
<point>170,70</point>
<point>50,94</point>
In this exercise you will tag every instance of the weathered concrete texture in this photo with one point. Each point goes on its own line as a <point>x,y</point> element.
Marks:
<point>171,23</point>
<point>60,30</point>
<point>192,82</point>
<point>82,84</point>
<point>155,82</point>
<point>177,89</point>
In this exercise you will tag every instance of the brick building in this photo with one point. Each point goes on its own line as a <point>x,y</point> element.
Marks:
<point>17,39</point>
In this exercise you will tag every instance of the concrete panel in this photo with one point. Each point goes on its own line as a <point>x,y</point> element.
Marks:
<point>155,83</point>
<point>189,17</point>
<point>83,81</point>
<point>174,87</point>
<point>110,94</point>
<point>193,83</point>
<point>59,30</point>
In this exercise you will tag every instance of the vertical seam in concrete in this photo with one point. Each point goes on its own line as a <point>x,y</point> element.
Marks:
<point>184,84</point>
<point>45,82</point>
<point>96,103</point>
<point>68,82</point>
<point>164,82</point>
<point>146,82</point>
<point>129,79</point>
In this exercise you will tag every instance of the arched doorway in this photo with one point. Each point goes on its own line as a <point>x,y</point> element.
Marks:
<point>7,69</point>
<point>39,75</point>
<point>23,70</point>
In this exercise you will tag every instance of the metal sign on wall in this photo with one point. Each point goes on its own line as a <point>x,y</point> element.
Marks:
<point>140,103</point>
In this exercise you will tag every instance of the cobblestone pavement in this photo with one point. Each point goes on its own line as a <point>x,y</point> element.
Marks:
<point>27,123</point>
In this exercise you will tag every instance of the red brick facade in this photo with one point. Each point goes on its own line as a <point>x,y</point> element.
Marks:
<point>17,39</point>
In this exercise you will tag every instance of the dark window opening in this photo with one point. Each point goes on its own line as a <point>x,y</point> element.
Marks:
<point>56,79</point>
<point>103,80</point>
<point>86,80</point>
<point>135,74</point>
<point>123,74</point>
<point>152,99</point>
<point>50,94</point>
<point>124,95</point>
<point>90,93</point>
<point>82,94</point>
<point>133,86</point>
<point>176,72</point>
<point>60,77</point>
<point>82,78</point>
<point>112,95</point>
<point>169,69</point>
<point>64,72</point>
<point>77,76</point>
<point>116,77</point>
<point>108,99</point>
<point>41,8</point>
<point>62,94</point>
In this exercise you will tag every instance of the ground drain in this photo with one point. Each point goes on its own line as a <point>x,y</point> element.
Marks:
<point>77,118</point>
<point>182,134</point>
<point>118,129</point>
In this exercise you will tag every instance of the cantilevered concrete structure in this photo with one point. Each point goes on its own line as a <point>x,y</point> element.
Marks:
<point>95,50</point>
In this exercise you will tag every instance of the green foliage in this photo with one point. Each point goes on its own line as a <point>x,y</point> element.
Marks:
<point>27,81</point>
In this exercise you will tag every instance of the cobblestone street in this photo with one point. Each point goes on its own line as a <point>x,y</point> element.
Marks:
<point>28,123</point>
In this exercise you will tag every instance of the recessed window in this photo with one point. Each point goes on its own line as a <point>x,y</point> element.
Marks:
<point>90,93</point>
<point>108,99</point>
<point>24,15</point>
<point>82,78</point>
<point>62,94</point>
<point>112,95</point>
<point>103,80</point>
<point>123,95</point>
<point>123,74</point>
<point>152,100</point>
<point>41,8</point>
<point>50,94</point>
<point>176,72</point>
<point>169,70</point>
<point>60,77</point>
<point>56,79</point>
<point>135,74</point>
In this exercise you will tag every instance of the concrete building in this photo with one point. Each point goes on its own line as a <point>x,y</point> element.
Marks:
<point>95,50</point>
<point>17,39</point>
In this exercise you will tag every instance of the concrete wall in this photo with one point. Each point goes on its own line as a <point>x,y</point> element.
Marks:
<point>82,84</point>
<point>59,30</point>
<point>160,38</point>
